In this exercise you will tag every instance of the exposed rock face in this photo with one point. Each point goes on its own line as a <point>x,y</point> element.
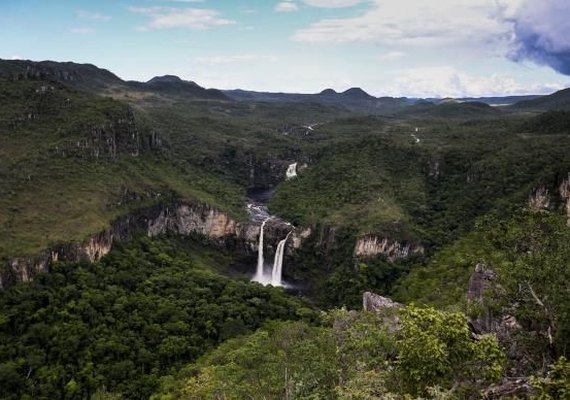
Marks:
<point>479,282</point>
<point>182,219</point>
<point>299,236</point>
<point>539,199</point>
<point>185,219</point>
<point>371,246</point>
<point>565,194</point>
<point>374,303</point>
<point>106,141</point>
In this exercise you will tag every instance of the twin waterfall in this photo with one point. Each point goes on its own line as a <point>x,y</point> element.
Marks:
<point>258,212</point>
<point>275,278</point>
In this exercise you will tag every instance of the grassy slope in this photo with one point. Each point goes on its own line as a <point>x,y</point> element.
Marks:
<point>50,197</point>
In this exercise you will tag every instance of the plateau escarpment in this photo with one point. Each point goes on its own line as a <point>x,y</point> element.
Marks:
<point>162,219</point>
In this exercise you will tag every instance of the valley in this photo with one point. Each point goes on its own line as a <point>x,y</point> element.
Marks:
<point>162,240</point>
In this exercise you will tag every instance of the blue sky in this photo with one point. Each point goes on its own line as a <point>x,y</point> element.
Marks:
<point>388,47</point>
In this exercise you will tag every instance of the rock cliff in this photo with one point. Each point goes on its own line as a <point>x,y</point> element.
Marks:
<point>565,194</point>
<point>539,199</point>
<point>372,246</point>
<point>181,219</point>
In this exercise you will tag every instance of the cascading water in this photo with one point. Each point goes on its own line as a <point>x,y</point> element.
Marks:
<point>260,260</point>
<point>291,171</point>
<point>277,272</point>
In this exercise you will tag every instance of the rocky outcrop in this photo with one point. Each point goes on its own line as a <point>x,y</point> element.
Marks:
<point>511,388</point>
<point>373,303</point>
<point>120,135</point>
<point>386,309</point>
<point>372,246</point>
<point>480,280</point>
<point>539,199</point>
<point>482,289</point>
<point>565,195</point>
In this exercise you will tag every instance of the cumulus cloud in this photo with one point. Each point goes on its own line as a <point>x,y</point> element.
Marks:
<point>420,22</point>
<point>192,18</point>
<point>542,33</point>
<point>446,81</point>
<point>535,30</point>
<point>286,6</point>
<point>332,3</point>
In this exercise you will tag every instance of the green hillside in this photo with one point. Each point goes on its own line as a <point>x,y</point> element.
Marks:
<point>72,161</point>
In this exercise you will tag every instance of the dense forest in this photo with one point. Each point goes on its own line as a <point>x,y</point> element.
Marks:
<point>121,324</point>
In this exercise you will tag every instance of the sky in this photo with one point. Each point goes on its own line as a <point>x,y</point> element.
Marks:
<point>413,48</point>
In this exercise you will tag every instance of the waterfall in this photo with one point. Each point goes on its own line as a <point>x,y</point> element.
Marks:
<point>291,171</point>
<point>277,272</point>
<point>260,260</point>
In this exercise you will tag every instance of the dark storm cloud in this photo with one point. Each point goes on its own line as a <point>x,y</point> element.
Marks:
<point>542,33</point>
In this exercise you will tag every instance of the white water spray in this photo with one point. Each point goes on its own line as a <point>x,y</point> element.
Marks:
<point>291,171</point>
<point>277,272</point>
<point>260,260</point>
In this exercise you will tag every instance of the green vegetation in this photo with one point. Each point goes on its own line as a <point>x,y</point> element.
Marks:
<point>530,253</point>
<point>375,178</point>
<point>162,317</point>
<point>556,384</point>
<point>119,325</point>
<point>355,356</point>
<point>71,162</point>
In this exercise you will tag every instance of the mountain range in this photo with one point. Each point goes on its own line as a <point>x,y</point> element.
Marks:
<point>90,77</point>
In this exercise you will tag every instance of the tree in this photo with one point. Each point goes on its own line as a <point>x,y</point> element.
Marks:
<point>533,265</point>
<point>435,348</point>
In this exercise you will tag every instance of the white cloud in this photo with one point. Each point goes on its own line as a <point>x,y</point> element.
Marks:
<point>412,22</point>
<point>192,18</point>
<point>234,59</point>
<point>15,57</point>
<point>332,3</point>
<point>286,6</point>
<point>94,16</point>
<point>391,56</point>
<point>82,30</point>
<point>445,81</point>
